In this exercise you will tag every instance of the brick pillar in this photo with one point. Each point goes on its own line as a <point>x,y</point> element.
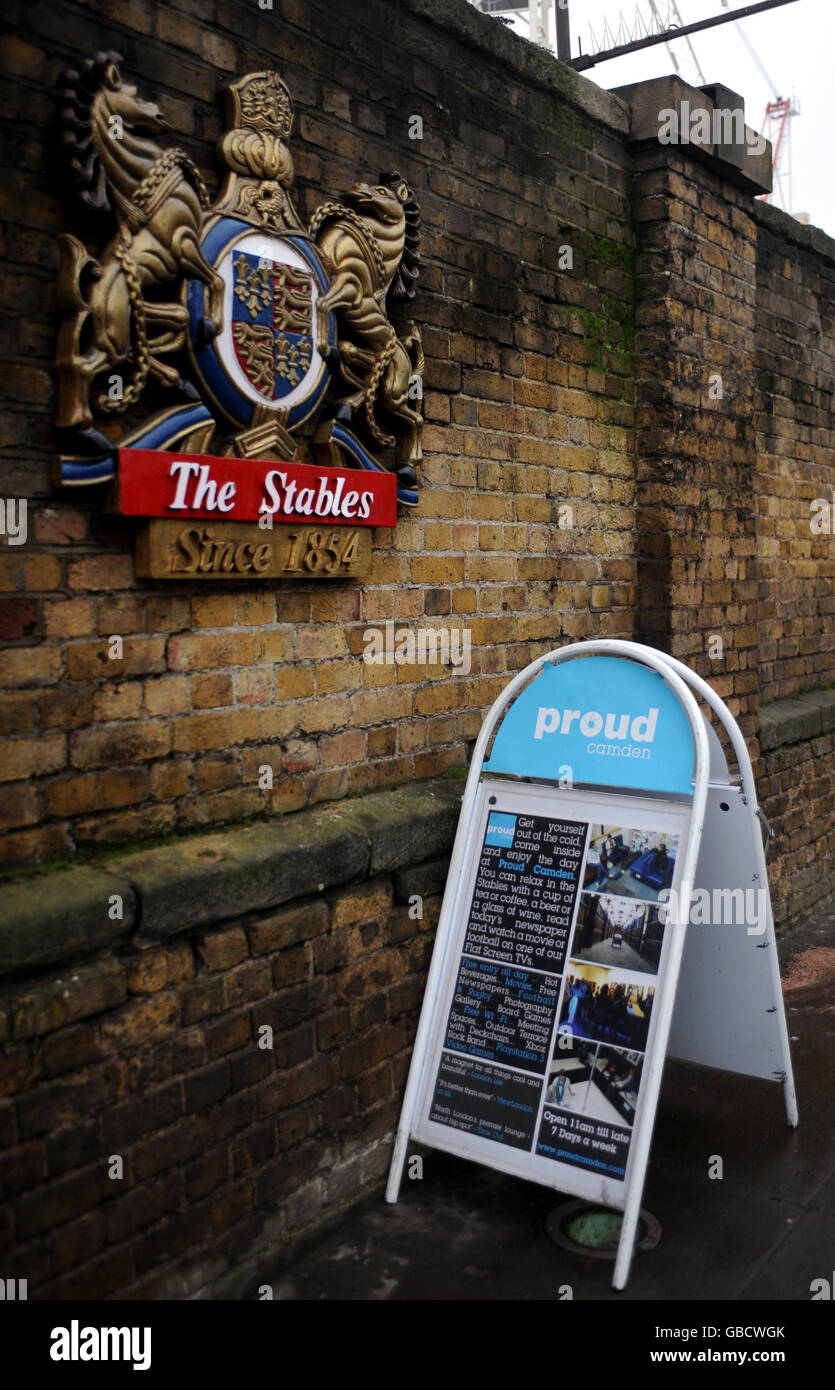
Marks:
<point>695,382</point>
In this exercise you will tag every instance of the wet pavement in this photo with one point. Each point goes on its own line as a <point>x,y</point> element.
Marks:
<point>764,1231</point>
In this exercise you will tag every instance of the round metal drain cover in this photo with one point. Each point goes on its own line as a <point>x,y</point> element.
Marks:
<point>594,1232</point>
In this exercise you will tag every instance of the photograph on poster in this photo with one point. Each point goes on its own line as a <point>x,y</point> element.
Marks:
<point>604,1005</point>
<point>595,1079</point>
<point>630,863</point>
<point>612,930</point>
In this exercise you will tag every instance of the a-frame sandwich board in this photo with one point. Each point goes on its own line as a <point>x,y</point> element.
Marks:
<point>587,815</point>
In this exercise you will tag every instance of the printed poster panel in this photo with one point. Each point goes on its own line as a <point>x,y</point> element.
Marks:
<point>502,1014</point>
<point>590,1107</point>
<point>560,951</point>
<point>493,1102</point>
<point>525,889</point>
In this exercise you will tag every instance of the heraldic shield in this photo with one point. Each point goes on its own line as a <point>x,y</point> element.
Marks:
<point>272,323</point>
<point>265,356</point>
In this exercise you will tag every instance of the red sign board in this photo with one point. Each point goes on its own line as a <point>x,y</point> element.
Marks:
<point>157,483</point>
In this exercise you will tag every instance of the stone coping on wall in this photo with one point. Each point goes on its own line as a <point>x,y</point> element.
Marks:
<point>802,234</point>
<point>62,915</point>
<point>738,163</point>
<point>529,60</point>
<point>631,110</point>
<point>796,719</point>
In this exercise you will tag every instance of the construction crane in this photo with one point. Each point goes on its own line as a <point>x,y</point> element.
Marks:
<point>644,31</point>
<point>625,39</point>
<point>538,16</point>
<point>775,128</point>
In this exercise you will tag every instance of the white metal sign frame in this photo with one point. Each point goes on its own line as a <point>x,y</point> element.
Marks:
<point>583,806</point>
<point>709,1027</point>
<point>687,814</point>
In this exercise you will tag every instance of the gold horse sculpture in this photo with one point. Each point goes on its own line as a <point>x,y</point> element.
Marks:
<point>368,244</point>
<point>112,315</point>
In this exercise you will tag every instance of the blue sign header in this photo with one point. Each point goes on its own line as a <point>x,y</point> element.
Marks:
<point>603,720</point>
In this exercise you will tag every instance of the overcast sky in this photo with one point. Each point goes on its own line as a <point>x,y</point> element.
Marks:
<point>795,44</point>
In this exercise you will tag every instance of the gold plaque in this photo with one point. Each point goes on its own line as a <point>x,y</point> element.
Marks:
<point>174,549</point>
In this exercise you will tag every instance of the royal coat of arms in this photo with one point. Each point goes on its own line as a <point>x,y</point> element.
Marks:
<point>251,320</point>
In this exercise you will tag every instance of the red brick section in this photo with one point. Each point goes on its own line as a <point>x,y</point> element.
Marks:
<point>528,407</point>
<point>229,1147</point>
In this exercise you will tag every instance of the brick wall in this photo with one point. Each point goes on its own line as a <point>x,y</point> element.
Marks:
<point>141,1038</point>
<point>689,513</point>
<point>695,447</point>
<point>795,382</point>
<point>734,370</point>
<point>528,406</point>
<point>795,423</point>
<point>797,738</point>
<point>547,386</point>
